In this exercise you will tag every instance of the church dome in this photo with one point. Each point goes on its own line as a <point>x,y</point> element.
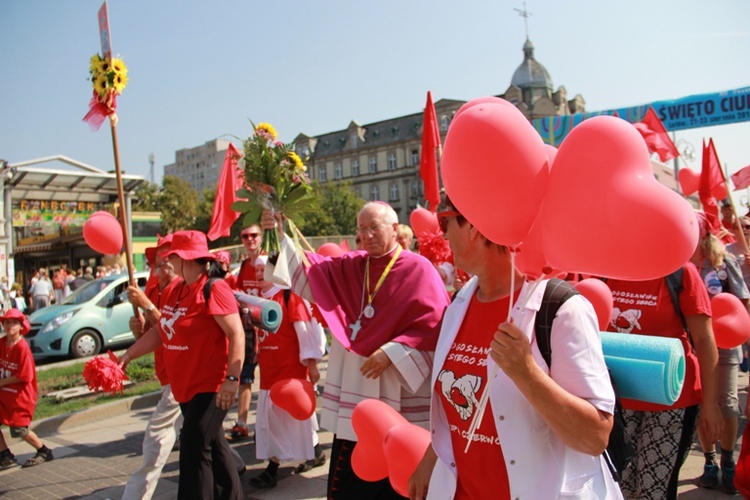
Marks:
<point>531,74</point>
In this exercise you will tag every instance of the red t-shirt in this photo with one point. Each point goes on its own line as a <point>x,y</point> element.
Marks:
<point>645,308</point>
<point>460,384</point>
<point>195,346</point>
<point>246,280</point>
<point>156,297</point>
<point>278,353</point>
<point>17,401</point>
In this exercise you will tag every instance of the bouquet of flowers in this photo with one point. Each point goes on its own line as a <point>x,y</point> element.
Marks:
<point>109,77</point>
<point>275,180</point>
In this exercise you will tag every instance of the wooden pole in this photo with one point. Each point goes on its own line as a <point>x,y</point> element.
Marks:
<point>123,208</point>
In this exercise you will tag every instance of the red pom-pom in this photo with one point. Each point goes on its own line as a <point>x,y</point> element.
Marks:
<point>434,247</point>
<point>104,374</point>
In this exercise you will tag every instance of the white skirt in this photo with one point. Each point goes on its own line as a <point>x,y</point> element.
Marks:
<point>279,435</point>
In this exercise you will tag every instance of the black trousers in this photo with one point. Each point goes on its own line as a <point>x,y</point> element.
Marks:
<point>344,484</point>
<point>206,466</point>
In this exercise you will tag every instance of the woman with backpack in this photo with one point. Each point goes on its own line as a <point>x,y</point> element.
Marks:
<point>721,273</point>
<point>545,427</point>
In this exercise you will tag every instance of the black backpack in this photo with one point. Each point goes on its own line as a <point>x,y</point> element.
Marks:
<point>619,450</point>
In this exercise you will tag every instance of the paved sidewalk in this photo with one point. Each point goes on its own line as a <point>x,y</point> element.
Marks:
<point>96,451</point>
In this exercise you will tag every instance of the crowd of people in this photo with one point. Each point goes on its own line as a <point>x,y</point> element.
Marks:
<point>430,340</point>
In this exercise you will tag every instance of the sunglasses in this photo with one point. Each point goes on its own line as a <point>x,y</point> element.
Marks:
<point>247,236</point>
<point>442,218</point>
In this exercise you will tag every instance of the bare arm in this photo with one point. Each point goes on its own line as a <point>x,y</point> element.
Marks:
<point>420,480</point>
<point>231,325</point>
<point>149,342</point>
<point>578,423</point>
<point>708,358</point>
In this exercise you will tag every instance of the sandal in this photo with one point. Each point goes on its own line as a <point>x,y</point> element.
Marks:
<point>264,480</point>
<point>39,458</point>
<point>310,464</point>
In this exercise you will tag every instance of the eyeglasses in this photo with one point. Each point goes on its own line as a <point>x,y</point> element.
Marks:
<point>442,218</point>
<point>247,236</point>
<point>375,228</point>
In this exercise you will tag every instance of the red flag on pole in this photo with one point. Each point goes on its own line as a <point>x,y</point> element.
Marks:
<point>428,169</point>
<point>656,136</point>
<point>741,178</point>
<point>226,194</point>
<point>711,176</point>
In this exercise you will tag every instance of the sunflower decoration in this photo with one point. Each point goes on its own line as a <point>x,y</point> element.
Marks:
<point>275,179</point>
<point>109,77</point>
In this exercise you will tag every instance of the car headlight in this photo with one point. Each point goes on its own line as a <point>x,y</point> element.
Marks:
<point>57,322</point>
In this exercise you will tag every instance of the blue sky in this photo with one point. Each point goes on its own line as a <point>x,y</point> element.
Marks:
<point>200,69</point>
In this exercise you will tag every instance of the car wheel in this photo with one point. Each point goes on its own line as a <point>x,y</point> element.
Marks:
<point>85,343</point>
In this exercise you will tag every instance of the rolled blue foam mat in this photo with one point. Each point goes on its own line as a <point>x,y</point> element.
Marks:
<point>263,313</point>
<point>644,367</point>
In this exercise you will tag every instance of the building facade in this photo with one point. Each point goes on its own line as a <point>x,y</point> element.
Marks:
<point>199,166</point>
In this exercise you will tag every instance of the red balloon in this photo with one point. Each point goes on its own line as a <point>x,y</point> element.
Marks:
<point>495,169</point>
<point>551,154</point>
<point>422,222</point>
<point>404,448</point>
<point>605,212</point>
<point>730,320</point>
<point>296,396</point>
<point>330,250</point>
<point>720,191</point>
<point>371,421</point>
<point>689,180</point>
<point>598,293</point>
<point>103,233</point>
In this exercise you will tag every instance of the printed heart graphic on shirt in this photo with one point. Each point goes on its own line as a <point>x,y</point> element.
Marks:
<point>461,392</point>
<point>605,212</point>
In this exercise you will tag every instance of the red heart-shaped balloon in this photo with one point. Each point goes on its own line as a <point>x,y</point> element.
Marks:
<point>730,321</point>
<point>330,250</point>
<point>296,396</point>
<point>689,180</point>
<point>423,222</point>
<point>605,214</point>
<point>598,293</point>
<point>371,421</point>
<point>404,448</point>
<point>495,169</point>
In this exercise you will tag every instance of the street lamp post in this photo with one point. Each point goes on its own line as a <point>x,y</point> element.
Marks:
<point>6,239</point>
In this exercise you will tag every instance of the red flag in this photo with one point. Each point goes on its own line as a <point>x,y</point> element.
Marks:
<point>226,194</point>
<point>741,178</point>
<point>428,169</point>
<point>656,136</point>
<point>711,176</point>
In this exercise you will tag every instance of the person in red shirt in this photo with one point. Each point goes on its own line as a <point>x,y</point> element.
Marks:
<point>293,351</point>
<point>204,347</point>
<point>18,390</point>
<point>167,418</point>
<point>247,281</point>
<point>662,435</point>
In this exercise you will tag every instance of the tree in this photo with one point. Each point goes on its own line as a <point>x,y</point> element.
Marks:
<point>146,197</point>
<point>178,204</point>
<point>336,210</point>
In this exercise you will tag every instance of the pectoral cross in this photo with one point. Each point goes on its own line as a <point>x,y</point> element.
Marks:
<point>356,327</point>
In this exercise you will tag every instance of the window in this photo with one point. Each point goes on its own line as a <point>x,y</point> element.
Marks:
<point>373,165</point>
<point>358,191</point>
<point>394,191</point>
<point>374,195</point>
<point>354,140</point>
<point>444,123</point>
<point>414,189</point>
<point>338,172</point>
<point>414,157</point>
<point>355,168</point>
<point>323,174</point>
<point>392,161</point>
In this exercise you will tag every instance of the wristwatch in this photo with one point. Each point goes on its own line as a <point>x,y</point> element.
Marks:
<point>232,378</point>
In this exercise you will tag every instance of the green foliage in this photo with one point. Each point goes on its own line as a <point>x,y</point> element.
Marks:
<point>178,204</point>
<point>146,198</point>
<point>141,372</point>
<point>336,209</point>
